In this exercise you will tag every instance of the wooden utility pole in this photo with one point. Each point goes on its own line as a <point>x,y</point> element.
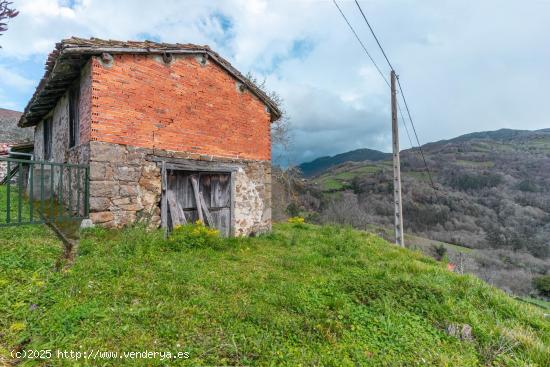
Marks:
<point>399,237</point>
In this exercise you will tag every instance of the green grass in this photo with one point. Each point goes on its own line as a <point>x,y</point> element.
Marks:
<point>474,164</point>
<point>539,143</point>
<point>330,184</point>
<point>302,295</point>
<point>422,176</point>
<point>416,242</point>
<point>538,302</point>
<point>335,181</point>
<point>426,243</point>
<point>18,209</point>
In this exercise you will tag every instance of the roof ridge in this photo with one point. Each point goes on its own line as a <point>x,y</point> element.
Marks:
<point>34,111</point>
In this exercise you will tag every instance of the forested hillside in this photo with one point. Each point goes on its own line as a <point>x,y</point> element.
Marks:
<point>323,163</point>
<point>492,194</point>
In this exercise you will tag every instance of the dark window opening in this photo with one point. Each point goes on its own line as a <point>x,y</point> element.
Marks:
<point>74,123</point>
<point>48,128</point>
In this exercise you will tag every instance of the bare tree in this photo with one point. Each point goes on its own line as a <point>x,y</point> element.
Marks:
<point>6,13</point>
<point>279,129</point>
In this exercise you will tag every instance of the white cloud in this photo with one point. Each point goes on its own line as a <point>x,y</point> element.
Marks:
<point>466,66</point>
<point>12,79</point>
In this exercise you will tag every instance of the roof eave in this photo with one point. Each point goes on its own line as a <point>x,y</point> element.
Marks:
<point>68,50</point>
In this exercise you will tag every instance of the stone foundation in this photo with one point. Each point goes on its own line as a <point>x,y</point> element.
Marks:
<point>125,186</point>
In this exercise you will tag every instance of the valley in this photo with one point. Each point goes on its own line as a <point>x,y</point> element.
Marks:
<point>491,198</point>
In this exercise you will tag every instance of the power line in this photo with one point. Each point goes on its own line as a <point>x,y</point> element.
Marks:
<point>374,34</point>
<point>361,43</point>
<point>405,124</point>
<point>415,134</point>
<point>401,90</point>
<point>413,147</point>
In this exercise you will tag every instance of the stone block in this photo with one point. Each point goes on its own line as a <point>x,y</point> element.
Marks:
<point>101,217</point>
<point>150,170</point>
<point>149,199</point>
<point>106,152</point>
<point>127,191</point>
<point>100,171</point>
<point>86,223</point>
<point>99,204</point>
<point>127,173</point>
<point>151,184</point>
<point>136,155</point>
<point>123,218</point>
<point>121,201</point>
<point>102,188</point>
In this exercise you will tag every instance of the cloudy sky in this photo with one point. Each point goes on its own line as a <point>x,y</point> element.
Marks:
<point>465,65</point>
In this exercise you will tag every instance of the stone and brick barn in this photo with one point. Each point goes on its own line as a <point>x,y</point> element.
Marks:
<point>11,135</point>
<point>171,132</point>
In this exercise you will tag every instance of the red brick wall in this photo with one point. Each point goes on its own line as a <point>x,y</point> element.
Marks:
<point>183,106</point>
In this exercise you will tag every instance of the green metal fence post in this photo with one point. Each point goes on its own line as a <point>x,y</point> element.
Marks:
<point>70,191</point>
<point>78,191</point>
<point>31,192</point>
<point>23,186</point>
<point>42,190</point>
<point>86,192</point>
<point>8,196</point>
<point>52,172</point>
<point>60,197</point>
<point>19,190</point>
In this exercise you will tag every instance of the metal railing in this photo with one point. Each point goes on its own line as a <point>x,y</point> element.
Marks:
<point>33,192</point>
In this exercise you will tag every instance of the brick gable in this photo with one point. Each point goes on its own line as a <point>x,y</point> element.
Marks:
<point>183,105</point>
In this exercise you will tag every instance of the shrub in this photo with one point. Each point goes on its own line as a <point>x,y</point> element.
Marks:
<point>542,284</point>
<point>439,251</point>
<point>473,181</point>
<point>296,220</point>
<point>195,235</point>
<point>527,186</point>
<point>293,209</point>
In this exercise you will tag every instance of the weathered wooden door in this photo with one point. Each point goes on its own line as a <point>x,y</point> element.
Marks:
<point>214,199</point>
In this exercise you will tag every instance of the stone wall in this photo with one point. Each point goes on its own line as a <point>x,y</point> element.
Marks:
<point>125,186</point>
<point>61,153</point>
<point>252,198</point>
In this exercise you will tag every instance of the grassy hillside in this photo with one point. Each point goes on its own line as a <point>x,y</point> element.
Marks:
<point>323,163</point>
<point>302,295</point>
<point>493,195</point>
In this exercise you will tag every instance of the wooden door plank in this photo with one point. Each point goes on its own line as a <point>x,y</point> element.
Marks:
<point>206,211</point>
<point>164,206</point>
<point>221,191</point>
<point>222,218</point>
<point>176,212</point>
<point>205,187</point>
<point>195,184</point>
<point>185,191</point>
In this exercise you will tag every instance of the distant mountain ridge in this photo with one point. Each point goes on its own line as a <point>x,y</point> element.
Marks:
<point>321,164</point>
<point>496,135</point>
